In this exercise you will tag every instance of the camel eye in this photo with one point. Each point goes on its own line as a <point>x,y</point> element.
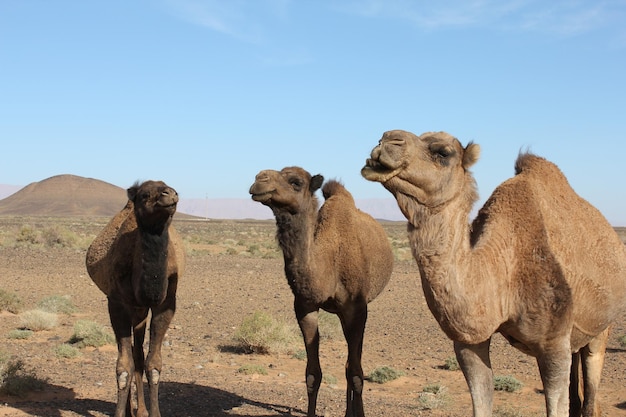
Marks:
<point>296,183</point>
<point>441,151</point>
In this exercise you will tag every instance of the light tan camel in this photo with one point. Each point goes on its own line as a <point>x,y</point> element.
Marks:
<point>539,264</point>
<point>136,260</point>
<point>338,259</point>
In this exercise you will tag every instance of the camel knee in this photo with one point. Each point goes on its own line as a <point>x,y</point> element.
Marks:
<point>313,383</point>
<point>154,376</point>
<point>357,384</point>
<point>123,380</point>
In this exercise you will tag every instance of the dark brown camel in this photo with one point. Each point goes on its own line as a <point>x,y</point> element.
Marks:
<point>136,261</point>
<point>338,259</point>
<point>539,264</point>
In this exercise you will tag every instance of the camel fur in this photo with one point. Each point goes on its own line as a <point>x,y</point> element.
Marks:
<point>539,264</point>
<point>338,259</point>
<point>136,260</point>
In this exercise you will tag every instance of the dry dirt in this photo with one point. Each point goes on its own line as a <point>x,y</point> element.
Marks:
<point>228,278</point>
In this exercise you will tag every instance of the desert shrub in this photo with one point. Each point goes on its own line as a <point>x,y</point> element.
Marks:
<point>27,235</point>
<point>20,334</point>
<point>329,379</point>
<point>37,320</point>
<point>622,341</point>
<point>252,369</point>
<point>16,381</point>
<point>451,364</point>
<point>61,237</point>
<point>384,374</point>
<point>329,325</point>
<point>261,333</point>
<point>66,351</point>
<point>10,302</point>
<point>300,355</point>
<point>90,333</point>
<point>57,304</point>
<point>506,383</point>
<point>433,396</point>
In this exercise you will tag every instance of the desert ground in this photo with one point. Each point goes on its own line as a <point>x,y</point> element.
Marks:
<point>234,269</point>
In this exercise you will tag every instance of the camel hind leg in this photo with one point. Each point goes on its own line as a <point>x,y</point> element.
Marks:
<point>160,322</point>
<point>125,367</point>
<point>591,361</point>
<point>139,332</point>
<point>353,322</point>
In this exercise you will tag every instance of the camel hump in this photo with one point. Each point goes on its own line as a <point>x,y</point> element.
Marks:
<point>530,162</point>
<point>334,187</point>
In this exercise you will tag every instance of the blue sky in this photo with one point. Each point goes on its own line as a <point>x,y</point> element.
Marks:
<point>204,94</point>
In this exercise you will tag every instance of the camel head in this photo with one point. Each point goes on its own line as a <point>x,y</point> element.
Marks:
<point>430,169</point>
<point>154,204</point>
<point>292,189</point>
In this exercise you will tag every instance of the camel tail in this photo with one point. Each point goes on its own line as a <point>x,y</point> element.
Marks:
<point>333,187</point>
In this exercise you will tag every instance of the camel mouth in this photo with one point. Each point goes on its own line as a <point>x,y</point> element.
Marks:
<point>170,206</point>
<point>262,197</point>
<point>376,171</point>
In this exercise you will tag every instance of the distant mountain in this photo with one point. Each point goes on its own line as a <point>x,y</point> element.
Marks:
<point>71,195</point>
<point>65,195</point>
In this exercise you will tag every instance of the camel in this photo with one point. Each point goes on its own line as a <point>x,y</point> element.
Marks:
<point>136,260</point>
<point>338,259</point>
<point>539,264</point>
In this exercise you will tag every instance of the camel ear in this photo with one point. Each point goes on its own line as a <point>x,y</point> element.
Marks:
<point>132,191</point>
<point>316,183</point>
<point>471,155</point>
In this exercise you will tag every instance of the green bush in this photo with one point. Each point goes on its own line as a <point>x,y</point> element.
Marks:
<point>252,369</point>
<point>384,374</point>
<point>622,341</point>
<point>90,333</point>
<point>329,379</point>
<point>57,304</point>
<point>66,351</point>
<point>10,302</point>
<point>37,320</point>
<point>329,326</point>
<point>451,364</point>
<point>433,396</point>
<point>20,334</point>
<point>261,333</point>
<point>506,383</point>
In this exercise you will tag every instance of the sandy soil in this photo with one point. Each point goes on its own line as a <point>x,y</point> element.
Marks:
<point>224,283</point>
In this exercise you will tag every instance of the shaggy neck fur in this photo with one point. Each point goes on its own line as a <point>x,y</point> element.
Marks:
<point>150,276</point>
<point>295,235</point>
<point>453,274</point>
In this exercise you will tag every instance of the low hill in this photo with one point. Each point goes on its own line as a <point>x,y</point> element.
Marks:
<point>65,196</point>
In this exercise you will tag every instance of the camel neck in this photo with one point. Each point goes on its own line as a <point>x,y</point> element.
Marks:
<point>453,276</point>
<point>150,280</point>
<point>295,237</point>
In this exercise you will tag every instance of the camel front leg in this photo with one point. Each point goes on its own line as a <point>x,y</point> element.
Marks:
<point>353,323</point>
<point>121,323</point>
<point>308,322</point>
<point>592,360</point>
<point>161,319</point>
<point>476,366</point>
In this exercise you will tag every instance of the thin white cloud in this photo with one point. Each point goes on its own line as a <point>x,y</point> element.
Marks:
<point>246,20</point>
<point>563,17</point>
